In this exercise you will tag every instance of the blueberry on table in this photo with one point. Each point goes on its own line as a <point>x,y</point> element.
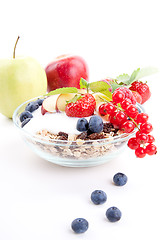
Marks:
<point>39,101</point>
<point>79,225</point>
<point>95,124</point>
<point>32,106</point>
<point>82,124</point>
<point>24,115</point>
<point>98,197</point>
<point>25,122</point>
<point>120,179</point>
<point>113,214</point>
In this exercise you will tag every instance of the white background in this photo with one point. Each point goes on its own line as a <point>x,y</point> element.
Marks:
<point>39,200</point>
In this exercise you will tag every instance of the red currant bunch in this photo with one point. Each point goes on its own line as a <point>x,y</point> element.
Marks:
<point>123,114</point>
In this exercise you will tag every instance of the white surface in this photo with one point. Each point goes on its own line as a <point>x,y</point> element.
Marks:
<point>39,200</point>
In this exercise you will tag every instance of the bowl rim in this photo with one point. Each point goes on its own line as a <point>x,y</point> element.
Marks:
<point>110,139</point>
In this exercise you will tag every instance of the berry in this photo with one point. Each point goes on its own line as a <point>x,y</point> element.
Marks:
<point>32,106</point>
<point>146,127</point>
<point>142,118</point>
<point>137,97</point>
<point>25,122</point>
<point>120,179</point>
<point>125,103</point>
<point>118,96</point>
<point>113,214</point>
<point>84,107</point>
<point>106,108</point>
<point>142,138</point>
<point>82,125</point>
<point>132,111</point>
<point>24,115</point>
<point>102,109</point>
<point>151,149</point>
<point>132,143</point>
<point>39,101</point>
<point>142,89</point>
<point>98,197</point>
<point>113,119</point>
<point>151,139</point>
<point>95,124</point>
<point>127,126</point>
<point>120,117</point>
<point>79,225</point>
<point>128,94</point>
<point>140,152</point>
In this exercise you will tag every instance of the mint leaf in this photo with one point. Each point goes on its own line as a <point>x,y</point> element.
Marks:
<point>123,78</point>
<point>75,98</point>
<point>115,85</point>
<point>133,76</point>
<point>102,87</point>
<point>63,90</point>
<point>83,83</point>
<point>147,71</point>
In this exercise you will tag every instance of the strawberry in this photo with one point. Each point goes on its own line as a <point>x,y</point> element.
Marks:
<point>137,97</point>
<point>142,89</point>
<point>83,107</point>
<point>128,93</point>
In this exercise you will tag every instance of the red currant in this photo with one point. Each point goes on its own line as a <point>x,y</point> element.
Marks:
<point>125,103</point>
<point>142,118</point>
<point>151,149</point>
<point>146,127</point>
<point>151,139</point>
<point>140,152</point>
<point>118,96</point>
<point>131,111</point>
<point>121,117</point>
<point>102,109</point>
<point>142,138</point>
<point>132,143</point>
<point>112,118</point>
<point>128,126</point>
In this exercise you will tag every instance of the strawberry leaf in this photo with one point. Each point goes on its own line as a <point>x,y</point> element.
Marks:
<point>102,87</point>
<point>83,83</point>
<point>123,78</point>
<point>63,90</point>
<point>147,71</point>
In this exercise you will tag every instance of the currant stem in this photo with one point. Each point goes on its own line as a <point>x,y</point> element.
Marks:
<point>14,52</point>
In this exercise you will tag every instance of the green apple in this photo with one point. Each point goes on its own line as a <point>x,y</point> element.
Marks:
<point>20,79</point>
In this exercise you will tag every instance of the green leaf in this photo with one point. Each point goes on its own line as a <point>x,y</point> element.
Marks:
<point>147,71</point>
<point>123,78</point>
<point>115,85</point>
<point>83,83</point>
<point>102,87</point>
<point>133,76</point>
<point>63,90</point>
<point>75,98</point>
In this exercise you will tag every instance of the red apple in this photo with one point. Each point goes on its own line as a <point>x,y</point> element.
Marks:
<point>66,71</point>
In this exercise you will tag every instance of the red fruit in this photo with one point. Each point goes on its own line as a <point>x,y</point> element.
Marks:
<point>146,127</point>
<point>118,96</point>
<point>84,107</point>
<point>142,118</point>
<point>142,138</point>
<point>106,108</point>
<point>120,117</point>
<point>128,94</point>
<point>142,89</point>
<point>127,126</point>
<point>140,152</point>
<point>137,97</point>
<point>113,119</point>
<point>66,71</point>
<point>131,111</point>
<point>132,143</point>
<point>151,149</point>
<point>151,139</point>
<point>125,103</point>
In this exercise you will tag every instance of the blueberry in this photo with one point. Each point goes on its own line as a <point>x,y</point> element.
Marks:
<point>24,115</point>
<point>95,124</point>
<point>79,225</point>
<point>98,197</point>
<point>82,125</point>
<point>120,179</point>
<point>25,122</point>
<point>113,214</point>
<point>32,106</point>
<point>39,101</point>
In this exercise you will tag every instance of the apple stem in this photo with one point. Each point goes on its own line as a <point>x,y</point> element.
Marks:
<point>14,52</point>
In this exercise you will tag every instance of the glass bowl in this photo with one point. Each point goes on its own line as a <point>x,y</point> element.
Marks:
<point>77,153</point>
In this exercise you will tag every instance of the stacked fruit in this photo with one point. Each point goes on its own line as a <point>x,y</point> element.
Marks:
<point>123,113</point>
